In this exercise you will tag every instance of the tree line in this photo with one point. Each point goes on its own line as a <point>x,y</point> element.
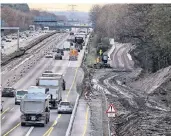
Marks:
<point>20,15</point>
<point>147,26</point>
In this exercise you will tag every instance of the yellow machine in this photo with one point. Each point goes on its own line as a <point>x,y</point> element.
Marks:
<point>73,54</point>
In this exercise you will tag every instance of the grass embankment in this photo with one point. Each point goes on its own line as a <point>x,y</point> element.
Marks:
<point>90,58</point>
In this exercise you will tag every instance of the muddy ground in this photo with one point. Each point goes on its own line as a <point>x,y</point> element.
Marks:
<point>138,113</point>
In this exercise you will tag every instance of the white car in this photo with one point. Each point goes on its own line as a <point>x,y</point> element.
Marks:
<point>65,107</point>
<point>19,95</point>
<point>49,55</point>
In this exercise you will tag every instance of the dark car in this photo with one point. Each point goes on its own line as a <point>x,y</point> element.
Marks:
<point>60,51</point>
<point>71,33</point>
<point>8,92</point>
<point>58,56</point>
<point>48,71</point>
<point>2,106</point>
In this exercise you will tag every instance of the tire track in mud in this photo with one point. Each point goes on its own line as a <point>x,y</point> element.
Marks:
<point>135,117</point>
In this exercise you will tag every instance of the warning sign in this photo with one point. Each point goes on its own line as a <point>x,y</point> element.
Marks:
<point>111,111</point>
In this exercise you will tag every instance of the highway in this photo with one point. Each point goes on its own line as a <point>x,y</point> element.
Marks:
<point>10,47</point>
<point>10,117</point>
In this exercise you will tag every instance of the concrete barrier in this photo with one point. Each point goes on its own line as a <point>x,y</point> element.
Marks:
<point>68,132</point>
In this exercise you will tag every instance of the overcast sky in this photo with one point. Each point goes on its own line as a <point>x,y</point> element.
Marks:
<point>60,7</point>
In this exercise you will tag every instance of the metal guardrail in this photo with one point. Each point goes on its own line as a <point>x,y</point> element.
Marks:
<point>68,132</point>
<point>6,59</point>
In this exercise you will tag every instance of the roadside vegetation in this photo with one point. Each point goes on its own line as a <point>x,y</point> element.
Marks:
<point>20,15</point>
<point>96,44</point>
<point>146,26</point>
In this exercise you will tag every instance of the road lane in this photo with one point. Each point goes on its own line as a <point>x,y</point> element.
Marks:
<point>15,115</point>
<point>25,82</point>
<point>10,123</point>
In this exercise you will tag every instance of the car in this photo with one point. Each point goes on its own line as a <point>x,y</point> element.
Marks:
<point>55,50</point>
<point>58,56</point>
<point>2,106</point>
<point>71,33</point>
<point>49,55</point>
<point>19,95</point>
<point>3,38</point>
<point>8,92</point>
<point>48,71</point>
<point>58,50</point>
<point>8,40</point>
<point>62,52</point>
<point>65,107</point>
<point>14,37</point>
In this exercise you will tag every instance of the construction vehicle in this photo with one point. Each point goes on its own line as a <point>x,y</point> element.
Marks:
<point>73,55</point>
<point>102,62</point>
<point>55,85</point>
<point>35,109</point>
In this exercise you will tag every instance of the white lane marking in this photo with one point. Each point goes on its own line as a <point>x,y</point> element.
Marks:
<point>3,117</point>
<point>12,109</point>
<point>29,132</point>
<point>129,56</point>
<point>69,63</point>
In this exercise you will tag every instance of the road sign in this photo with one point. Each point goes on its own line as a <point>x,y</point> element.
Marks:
<point>111,111</point>
<point>100,52</point>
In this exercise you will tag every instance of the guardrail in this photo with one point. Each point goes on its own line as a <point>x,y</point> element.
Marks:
<point>69,129</point>
<point>8,58</point>
<point>68,132</point>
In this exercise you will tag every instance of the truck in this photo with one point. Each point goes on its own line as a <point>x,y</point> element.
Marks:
<point>66,46</point>
<point>35,109</point>
<point>79,41</point>
<point>32,27</point>
<point>55,85</point>
<point>73,55</point>
<point>46,29</point>
<point>56,75</point>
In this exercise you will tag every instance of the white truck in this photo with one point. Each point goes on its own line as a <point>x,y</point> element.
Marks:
<point>55,85</point>
<point>46,29</point>
<point>35,109</point>
<point>66,46</point>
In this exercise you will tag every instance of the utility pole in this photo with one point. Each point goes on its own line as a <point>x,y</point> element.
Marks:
<point>72,10</point>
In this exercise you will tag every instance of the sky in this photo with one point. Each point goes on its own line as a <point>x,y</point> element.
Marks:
<point>60,7</point>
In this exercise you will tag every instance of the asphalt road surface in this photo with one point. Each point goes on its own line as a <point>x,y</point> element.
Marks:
<point>10,117</point>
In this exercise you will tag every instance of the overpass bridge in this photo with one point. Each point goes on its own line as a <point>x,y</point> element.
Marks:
<point>54,23</point>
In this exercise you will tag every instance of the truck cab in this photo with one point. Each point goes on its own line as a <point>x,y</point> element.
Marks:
<point>19,95</point>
